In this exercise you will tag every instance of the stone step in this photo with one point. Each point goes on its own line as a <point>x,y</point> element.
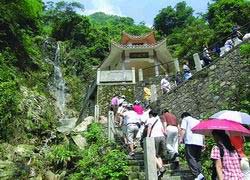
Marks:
<point>136,162</point>
<point>171,178</point>
<point>176,177</point>
<point>136,168</point>
<point>136,176</point>
<point>139,156</point>
<point>182,173</point>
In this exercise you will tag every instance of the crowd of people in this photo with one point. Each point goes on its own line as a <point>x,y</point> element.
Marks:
<point>138,121</point>
<point>235,38</point>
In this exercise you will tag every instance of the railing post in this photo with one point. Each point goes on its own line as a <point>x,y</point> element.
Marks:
<point>177,65</point>
<point>98,76</point>
<point>133,75</point>
<point>150,158</point>
<point>153,93</point>
<point>111,126</point>
<point>157,72</point>
<point>96,113</point>
<point>197,62</point>
<point>140,75</point>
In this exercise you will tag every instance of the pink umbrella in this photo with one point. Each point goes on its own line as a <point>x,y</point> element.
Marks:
<point>233,128</point>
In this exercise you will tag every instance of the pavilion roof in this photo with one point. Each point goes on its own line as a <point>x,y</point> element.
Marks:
<point>138,46</point>
<point>142,39</point>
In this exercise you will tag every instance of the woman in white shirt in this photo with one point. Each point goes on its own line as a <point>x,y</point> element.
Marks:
<point>156,130</point>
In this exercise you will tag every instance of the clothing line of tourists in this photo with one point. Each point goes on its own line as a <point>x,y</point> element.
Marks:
<point>234,39</point>
<point>138,121</point>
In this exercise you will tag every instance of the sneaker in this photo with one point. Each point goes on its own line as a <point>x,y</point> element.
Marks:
<point>158,173</point>
<point>162,170</point>
<point>131,154</point>
<point>175,156</point>
<point>199,177</point>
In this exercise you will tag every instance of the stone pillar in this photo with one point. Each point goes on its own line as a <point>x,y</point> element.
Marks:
<point>197,62</point>
<point>153,93</point>
<point>98,76</point>
<point>149,159</point>
<point>111,126</point>
<point>140,75</point>
<point>177,65</point>
<point>157,72</point>
<point>96,113</point>
<point>133,75</point>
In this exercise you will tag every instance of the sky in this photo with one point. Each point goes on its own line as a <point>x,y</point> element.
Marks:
<point>139,10</point>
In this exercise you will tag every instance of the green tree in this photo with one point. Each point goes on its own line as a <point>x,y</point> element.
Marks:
<point>224,14</point>
<point>184,42</point>
<point>66,23</point>
<point>20,20</point>
<point>170,18</point>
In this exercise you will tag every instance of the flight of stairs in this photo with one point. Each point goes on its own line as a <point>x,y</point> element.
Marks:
<point>136,170</point>
<point>136,165</point>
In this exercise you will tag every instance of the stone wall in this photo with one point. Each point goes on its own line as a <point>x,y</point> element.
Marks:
<point>211,89</point>
<point>106,92</point>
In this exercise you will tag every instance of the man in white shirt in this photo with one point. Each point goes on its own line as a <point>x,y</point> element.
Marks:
<point>193,144</point>
<point>165,85</point>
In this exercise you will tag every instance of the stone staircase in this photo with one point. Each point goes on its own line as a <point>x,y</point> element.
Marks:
<point>136,169</point>
<point>183,173</point>
<point>136,165</point>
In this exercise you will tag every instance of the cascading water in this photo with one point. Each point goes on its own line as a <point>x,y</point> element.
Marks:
<point>59,83</point>
<point>58,88</point>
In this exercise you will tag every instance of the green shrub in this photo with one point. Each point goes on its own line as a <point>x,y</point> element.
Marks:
<point>60,154</point>
<point>9,100</point>
<point>245,49</point>
<point>101,159</point>
<point>95,133</point>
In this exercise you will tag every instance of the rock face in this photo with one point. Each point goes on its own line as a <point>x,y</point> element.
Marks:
<point>66,125</point>
<point>36,107</point>
<point>103,120</point>
<point>210,89</point>
<point>84,125</point>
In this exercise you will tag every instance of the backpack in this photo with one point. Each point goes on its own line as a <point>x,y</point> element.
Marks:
<point>145,133</point>
<point>214,172</point>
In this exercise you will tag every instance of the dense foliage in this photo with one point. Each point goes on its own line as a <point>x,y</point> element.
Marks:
<point>27,108</point>
<point>99,160</point>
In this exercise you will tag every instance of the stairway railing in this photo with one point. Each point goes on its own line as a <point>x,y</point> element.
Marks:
<point>149,158</point>
<point>111,126</point>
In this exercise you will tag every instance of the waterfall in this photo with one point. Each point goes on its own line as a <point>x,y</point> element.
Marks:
<point>59,83</point>
<point>57,86</point>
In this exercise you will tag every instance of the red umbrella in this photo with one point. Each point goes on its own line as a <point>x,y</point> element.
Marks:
<point>233,128</point>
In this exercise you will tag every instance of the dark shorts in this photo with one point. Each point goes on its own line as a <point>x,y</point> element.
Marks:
<point>160,146</point>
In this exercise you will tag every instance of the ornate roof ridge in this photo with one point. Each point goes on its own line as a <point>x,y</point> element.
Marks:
<point>130,46</point>
<point>138,36</point>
